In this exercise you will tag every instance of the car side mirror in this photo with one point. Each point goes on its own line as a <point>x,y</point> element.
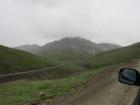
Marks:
<point>129,76</point>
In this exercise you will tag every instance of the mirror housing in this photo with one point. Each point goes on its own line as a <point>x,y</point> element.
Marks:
<point>129,76</point>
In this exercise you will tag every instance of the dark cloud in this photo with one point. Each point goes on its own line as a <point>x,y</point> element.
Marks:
<point>41,21</point>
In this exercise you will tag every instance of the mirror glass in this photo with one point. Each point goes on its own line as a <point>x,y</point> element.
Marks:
<point>128,76</point>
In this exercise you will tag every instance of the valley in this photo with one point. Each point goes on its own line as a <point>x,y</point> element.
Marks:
<point>39,70</point>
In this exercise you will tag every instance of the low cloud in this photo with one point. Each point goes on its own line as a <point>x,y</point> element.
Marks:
<point>41,21</point>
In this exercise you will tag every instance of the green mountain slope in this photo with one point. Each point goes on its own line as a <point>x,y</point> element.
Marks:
<point>12,60</point>
<point>115,56</point>
<point>69,48</point>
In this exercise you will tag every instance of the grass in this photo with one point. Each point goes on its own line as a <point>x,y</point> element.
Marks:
<point>66,71</point>
<point>116,56</point>
<point>20,92</point>
<point>12,60</point>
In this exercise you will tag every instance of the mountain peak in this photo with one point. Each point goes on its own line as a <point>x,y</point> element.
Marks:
<point>73,38</point>
<point>69,45</point>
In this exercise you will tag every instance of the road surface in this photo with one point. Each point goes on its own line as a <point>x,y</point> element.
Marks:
<point>32,71</point>
<point>27,74</point>
<point>102,90</point>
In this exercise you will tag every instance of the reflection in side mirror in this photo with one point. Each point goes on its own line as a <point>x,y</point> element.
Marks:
<point>129,76</point>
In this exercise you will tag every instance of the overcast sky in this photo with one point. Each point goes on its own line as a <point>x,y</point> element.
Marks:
<point>41,21</point>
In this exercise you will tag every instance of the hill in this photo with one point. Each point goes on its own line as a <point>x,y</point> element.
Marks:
<point>59,87</point>
<point>12,60</point>
<point>116,56</point>
<point>107,46</point>
<point>69,48</point>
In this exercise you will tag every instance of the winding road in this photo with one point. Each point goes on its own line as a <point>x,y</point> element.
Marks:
<point>27,74</point>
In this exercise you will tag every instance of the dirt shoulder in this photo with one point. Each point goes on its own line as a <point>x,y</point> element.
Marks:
<point>103,89</point>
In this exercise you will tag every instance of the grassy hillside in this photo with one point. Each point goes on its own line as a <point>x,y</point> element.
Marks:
<point>12,60</point>
<point>115,56</point>
<point>28,91</point>
<point>69,48</point>
<point>21,92</point>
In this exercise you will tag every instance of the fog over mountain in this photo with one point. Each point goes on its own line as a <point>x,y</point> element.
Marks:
<point>41,21</point>
<point>68,46</point>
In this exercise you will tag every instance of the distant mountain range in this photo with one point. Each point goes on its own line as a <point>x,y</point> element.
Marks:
<point>65,46</point>
<point>78,54</point>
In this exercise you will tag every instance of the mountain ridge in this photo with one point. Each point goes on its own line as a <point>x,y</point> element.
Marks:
<point>68,44</point>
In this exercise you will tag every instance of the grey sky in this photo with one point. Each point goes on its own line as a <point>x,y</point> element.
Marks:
<point>41,21</point>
